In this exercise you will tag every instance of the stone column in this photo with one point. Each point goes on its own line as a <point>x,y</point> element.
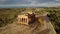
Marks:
<point>20,20</point>
<point>25,20</point>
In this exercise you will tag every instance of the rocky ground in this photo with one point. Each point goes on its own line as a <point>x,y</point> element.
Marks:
<point>34,28</point>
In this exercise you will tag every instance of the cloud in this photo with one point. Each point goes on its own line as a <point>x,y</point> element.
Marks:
<point>15,1</point>
<point>30,2</point>
<point>58,0</point>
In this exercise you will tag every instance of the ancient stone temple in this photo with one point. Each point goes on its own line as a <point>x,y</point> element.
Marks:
<point>26,18</point>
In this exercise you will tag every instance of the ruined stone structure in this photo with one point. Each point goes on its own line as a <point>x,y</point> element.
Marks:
<point>26,18</point>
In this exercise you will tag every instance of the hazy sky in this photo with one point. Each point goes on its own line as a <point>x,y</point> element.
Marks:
<point>29,2</point>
